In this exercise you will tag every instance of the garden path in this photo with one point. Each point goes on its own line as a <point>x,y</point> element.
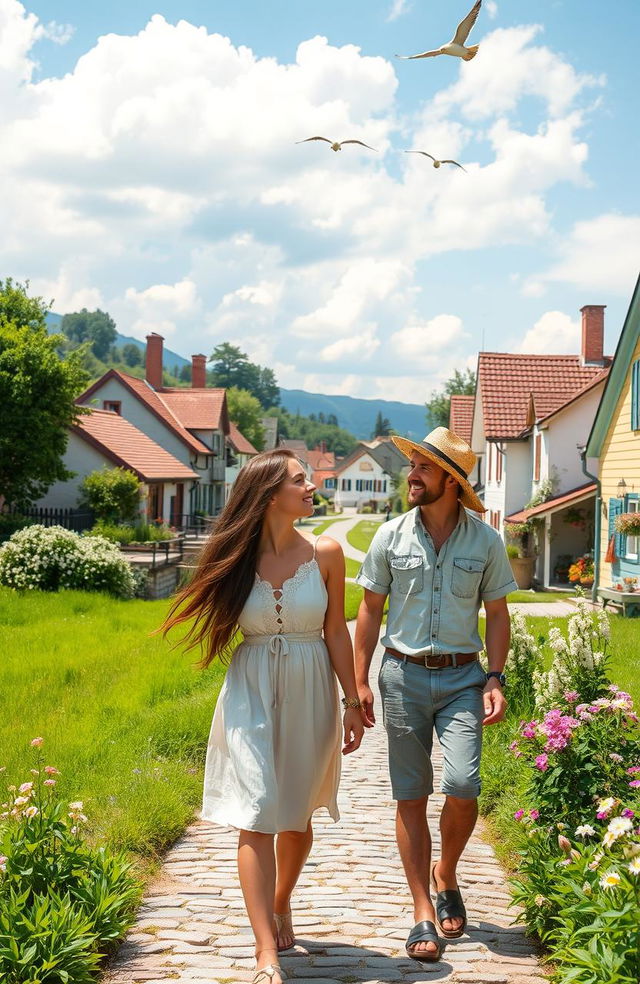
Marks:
<point>352,911</point>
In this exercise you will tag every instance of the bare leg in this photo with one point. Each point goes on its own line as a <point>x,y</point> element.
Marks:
<point>257,872</point>
<point>457,820</point>
<point>292,850</point>
<point>414,844</point>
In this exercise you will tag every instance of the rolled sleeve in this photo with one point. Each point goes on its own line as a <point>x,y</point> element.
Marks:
<point>497,580</point>
<point>375,572</point>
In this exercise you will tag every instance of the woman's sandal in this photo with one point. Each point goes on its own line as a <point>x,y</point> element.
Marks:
<point>423,932</point>
<point>284,925</point>
<point>266,974</point>
<point>449,905</point>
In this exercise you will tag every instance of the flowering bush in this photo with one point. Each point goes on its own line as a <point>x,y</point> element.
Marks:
<point>628,524</point>
<point>62,903</point>
<point>582,571</point>
<point>579,661</point>
<point>51,558</point>
<point>524,660</point>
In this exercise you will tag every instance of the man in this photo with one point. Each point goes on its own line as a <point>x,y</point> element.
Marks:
<point>437,563</point>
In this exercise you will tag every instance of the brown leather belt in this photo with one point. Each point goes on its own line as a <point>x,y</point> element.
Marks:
<point>436,662</point>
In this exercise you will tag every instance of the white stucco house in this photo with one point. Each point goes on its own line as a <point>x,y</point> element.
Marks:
<point>365,476</point>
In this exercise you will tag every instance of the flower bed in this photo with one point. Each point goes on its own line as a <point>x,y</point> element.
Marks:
<point>577,749</point>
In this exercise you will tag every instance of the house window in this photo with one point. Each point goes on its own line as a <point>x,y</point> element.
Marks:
<point>346,485</point>
<point>631,542</point>
<point>537,456</point>
<point>498,464</point>
<point>114,405</point>
<point>329,483</point>
<point>489,463</point>
<point>635,395</point>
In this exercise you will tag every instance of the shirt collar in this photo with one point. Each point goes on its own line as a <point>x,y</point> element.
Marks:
<point>463,517</point>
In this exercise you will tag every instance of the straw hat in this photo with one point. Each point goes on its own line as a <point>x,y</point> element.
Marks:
<point>451,453</point>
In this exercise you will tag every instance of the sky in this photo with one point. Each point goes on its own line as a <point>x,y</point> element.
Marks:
<point>150,167</point>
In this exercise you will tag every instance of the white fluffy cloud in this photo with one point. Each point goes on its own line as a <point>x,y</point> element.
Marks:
<point>555,333</point>
<point>161,180</point>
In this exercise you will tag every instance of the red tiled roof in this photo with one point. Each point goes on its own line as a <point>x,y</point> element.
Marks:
<point>197,409</point>
<point>461,416</point>
<point>320,475</point>
<point>239,441</point>
<point>128,447</point>
<point>509,381</point>
<point>154,403</point>
<point>321,459</point>
<point>556,502</point>
<point>600,378</point>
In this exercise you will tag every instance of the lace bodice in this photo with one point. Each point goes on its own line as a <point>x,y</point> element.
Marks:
<point>302,603</point>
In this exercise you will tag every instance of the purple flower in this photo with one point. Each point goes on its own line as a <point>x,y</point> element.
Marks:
<point>632,771</point>
<point>518,815</point>
<point>534,814</point>
<point>528,729</point>
<point>571,696</point>
<point>602,814</point>
<point>627,813</point>
<point>542,763</point>
<point>635,783</point>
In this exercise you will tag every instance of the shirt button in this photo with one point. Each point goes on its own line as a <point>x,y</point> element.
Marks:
<point>435,611</point>
<point>436,587</point>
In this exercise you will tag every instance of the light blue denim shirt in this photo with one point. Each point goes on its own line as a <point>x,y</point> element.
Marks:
<point>434,598</point>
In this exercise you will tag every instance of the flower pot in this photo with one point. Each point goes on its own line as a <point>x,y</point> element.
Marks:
<point>522,569</point>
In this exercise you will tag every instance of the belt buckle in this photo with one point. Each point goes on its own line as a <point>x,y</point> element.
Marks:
<point>439,660</point>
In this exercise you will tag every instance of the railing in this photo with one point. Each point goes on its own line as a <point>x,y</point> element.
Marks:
<point>71,519</point>
<point>161,551</point>
<point>193,524</point>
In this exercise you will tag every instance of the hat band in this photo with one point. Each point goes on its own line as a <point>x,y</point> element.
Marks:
<point>440,454</point>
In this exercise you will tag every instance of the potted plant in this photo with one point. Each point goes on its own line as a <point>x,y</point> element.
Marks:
<point>630,583</point>
<point>519,539</point>
<point>582,571</point>
<point>628,524</point>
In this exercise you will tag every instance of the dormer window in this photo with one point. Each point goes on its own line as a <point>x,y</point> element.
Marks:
<point>115,406</point>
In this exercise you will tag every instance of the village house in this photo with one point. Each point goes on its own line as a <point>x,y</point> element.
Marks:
<point>365,477</point>
<point>532,414</point>
<point>241,451</point>
<point>614,442</point>
<point>191,423</point>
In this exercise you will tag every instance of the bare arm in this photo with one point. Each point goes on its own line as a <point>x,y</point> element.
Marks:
<point>367,633</point>
<point>497,638</point>
<point>337,638</point>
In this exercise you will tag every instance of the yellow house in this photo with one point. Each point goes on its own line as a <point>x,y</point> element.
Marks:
<point>615,441</point>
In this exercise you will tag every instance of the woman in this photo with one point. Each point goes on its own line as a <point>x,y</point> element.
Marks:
<point>273,756</point>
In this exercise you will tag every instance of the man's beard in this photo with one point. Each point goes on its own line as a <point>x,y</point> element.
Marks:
<point>426,496</point>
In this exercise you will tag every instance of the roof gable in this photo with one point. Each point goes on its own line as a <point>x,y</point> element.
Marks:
<point>461,415</point>
<point>621,364</point>
<point>239,442</point>
<point>200,409</point>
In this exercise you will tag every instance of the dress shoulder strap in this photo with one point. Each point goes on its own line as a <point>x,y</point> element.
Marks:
<point>315,546</point>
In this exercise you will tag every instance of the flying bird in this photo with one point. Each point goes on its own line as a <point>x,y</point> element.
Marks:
<point>436,162</point>
<point>457,44</point>
<point>335,145</point>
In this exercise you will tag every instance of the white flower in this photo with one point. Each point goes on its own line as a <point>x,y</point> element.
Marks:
<point>610,880</point>
<point>20,800</point>
<point>76,805</point>
<point>619,826</point>
<point>31,811</point>
<point>604,805</point>
<point>585,830</point>
<point>634,866</point>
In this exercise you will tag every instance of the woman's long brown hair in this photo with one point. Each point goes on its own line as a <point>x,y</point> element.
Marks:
<point>222,582</point>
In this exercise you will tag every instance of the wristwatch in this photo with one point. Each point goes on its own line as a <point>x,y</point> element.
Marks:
<point>500,677</point>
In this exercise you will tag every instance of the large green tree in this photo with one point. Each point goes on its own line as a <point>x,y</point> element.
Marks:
<point>37,392</point>
<point>439,405</point>
<point>313,432</point>
<point>246,412</point>
<point>382,426</point>
<point>230,367</point>
<point>96,327</point>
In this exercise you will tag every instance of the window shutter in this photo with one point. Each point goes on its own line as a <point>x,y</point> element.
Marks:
<point>635,395</point>
<point>616,506</point>
<point>536,464</point>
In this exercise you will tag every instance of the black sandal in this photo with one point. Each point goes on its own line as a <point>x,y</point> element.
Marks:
<point>424,932</point>
<point>449,905</point>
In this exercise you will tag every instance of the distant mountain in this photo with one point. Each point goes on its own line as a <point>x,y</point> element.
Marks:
<point>359,416</point>
<point>355,415</point>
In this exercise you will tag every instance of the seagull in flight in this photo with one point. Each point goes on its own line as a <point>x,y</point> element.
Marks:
<point>436,162</point>
<point>334,143</point>
<point>457,44</point>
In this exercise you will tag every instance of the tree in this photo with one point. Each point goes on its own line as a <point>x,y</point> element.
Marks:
<point>185,374</point>
<point>37,392</point>
<point>131,355</point>
<point>382,427</point>
<point>96,327</point>
<point>231,367</point>
<point>246,412</point>
<point>438,407</point>
<point>112,494</point>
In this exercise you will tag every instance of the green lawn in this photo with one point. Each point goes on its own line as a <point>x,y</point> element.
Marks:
<point>326,523</point>
<point>124,717</point>
<point>352,566</point>
<point>527,597</point>
<point>352,597</point>
<point>362,533</point>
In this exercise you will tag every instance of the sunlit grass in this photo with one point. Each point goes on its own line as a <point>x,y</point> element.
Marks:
<point>361,535</point>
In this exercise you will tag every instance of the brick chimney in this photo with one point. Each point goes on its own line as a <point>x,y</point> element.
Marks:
<point>153,367</point>
<point>198,371</point>
<point>593,334</point>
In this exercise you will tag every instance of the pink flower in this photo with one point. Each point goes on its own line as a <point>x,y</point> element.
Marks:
<point>632,771</point>
<point>571,696</point>
<point>49,782</point>
<point>615,757</point>
<point>542,763</point>
<point>528,729</point>
<point>534,814</point>
<point>635,783</point>
<point>627,813</point>
<point>602,814</point>
<point>36,742</point>
<point>518,815</point>
<point>513,747</point>
<point>51,770</point>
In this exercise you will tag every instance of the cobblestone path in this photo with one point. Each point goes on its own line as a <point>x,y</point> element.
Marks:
<point>352,911</point>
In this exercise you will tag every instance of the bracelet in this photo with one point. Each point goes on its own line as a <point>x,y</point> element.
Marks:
<point>351,702</point>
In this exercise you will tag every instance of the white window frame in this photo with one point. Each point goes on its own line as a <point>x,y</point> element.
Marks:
<point>631,542</point>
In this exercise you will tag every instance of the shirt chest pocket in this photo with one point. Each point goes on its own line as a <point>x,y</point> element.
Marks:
<point>466,576</point>
<point>408,574</point>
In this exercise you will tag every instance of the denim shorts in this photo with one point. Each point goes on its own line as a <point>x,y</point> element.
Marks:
<point>416,700</point>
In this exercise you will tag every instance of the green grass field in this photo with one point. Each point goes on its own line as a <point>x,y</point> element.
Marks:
<point>124,717</point>
<point>548,597</point>
<point>362,533</point>
<point>326,523</point>
<point>351,566</point>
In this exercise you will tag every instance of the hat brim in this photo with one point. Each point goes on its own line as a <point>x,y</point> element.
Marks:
<point>467,496</point>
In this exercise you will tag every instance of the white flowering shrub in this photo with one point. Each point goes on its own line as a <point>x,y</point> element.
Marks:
<point>524,660</point>
<point>579,661</point>
<point>50,558</point>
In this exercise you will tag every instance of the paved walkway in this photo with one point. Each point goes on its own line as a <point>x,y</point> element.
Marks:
<point>352,911</point>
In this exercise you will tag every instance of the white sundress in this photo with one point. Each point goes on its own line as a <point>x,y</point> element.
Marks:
<point>274,750</point>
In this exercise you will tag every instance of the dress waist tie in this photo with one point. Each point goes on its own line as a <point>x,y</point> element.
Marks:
<point>278,646</point>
